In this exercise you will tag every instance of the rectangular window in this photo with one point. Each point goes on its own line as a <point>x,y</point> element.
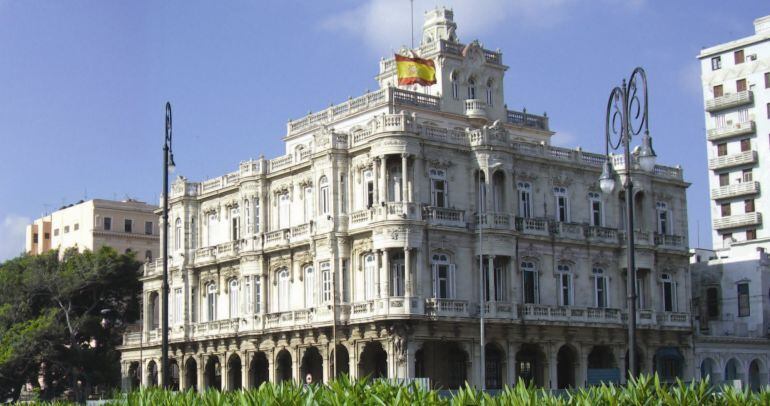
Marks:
<point>256,215</point>
<point>178,306</point>
<point>248,293</point>
<point>565,285</point>
<point>768,110</point>
<point>601,291</point>
<point>720,121</point>
<point>66,229</point>
<point>740,85</point>
<point>525,204</point>
<point>257,294</point>
<point>148,227</point>
<point>767,80</point>
<point>596,213</point>
<point>128,225</point>
<point>326,282</point>
<point>194,305</point>
<point>76,227</point>
<point>55,232</point>
<point>443,281</point>
<point>718,91</point>
<point>562,211</point>
<point>748,206</point>
<point>47,236</point>
<point>107,224</point>
<point>369,194</point>
<point>641,298</point>
<point>751,234</point>
<point>747,175</point>
<point>724,179</point>
<point>739,57</point>
<point>727,239</point>
<point>716,63</point>
<point>722,149</point>
<point>669,296</point>
<point>745,145</point>
<point>529,283</point>
<point>744,308</point>
<point>712,302</point>
<point>438,192</point>
<point>345,287</point>
<point>725,209</point>
<point>34,238</point>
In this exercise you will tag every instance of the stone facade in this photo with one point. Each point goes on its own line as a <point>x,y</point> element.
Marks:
<point>359,250</point>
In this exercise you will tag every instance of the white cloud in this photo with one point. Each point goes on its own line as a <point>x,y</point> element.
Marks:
<point>12,234</point>
<point>564,139</point>
<point>385,24</point>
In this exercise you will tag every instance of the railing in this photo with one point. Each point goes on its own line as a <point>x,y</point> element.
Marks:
<point>494,220</point>
<point>276,237</point>
<point>666,240</point>
<point>475,108</point>
<point>205,253</point>
<point>215,327</point>
<point>446,307</point>
<point>402,210</point>
<point>498,309</point>
<point>250,167</point>
<point>732,130</point>
<point>444,216</point>
<point>227,249</point>
<point>384,123</point>
<point>524,119</point>
<point>604,234</point>
<point>154,267</point>
<point>131,338</point>
<point>673,319</point>
<point>729,100</point>
<point>568,230</point>
<point>734,190</point>
<point>361,216</point>
<point>551,313</point>
<point>529,225</point>
<point>727,161</point>
<point>281,162</point>
<point>300,232</point>
<point>738,220</point>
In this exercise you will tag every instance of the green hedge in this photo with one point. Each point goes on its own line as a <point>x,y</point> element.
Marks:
<point>643,391</point>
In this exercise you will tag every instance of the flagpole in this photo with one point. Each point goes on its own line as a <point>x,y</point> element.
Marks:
<point>411,7</point>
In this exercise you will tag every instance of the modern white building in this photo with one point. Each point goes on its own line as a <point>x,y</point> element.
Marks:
<point>127,225</point>
<point>731,283</point>
<point>358,251</point>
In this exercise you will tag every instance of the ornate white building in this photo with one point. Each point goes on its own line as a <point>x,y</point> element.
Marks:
<point>358,251</point>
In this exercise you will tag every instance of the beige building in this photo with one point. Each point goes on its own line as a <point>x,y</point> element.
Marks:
<point>122,225</point>
<point>731,283</point>
<point>358,250</point>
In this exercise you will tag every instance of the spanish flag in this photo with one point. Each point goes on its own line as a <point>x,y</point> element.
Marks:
<point>415,70</point>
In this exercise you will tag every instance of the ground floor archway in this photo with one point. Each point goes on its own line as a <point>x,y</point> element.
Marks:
<point>602,366</point>
<point>134,375</point>
<point>530,365</point>
<point>283,366</point>
<point>494,365</point>
<point>234,381</point>
<point>733,370</point>
<point>707,370</point>
<point>755,375</point>
<point>259,370</point>
<point>668,362</point>
<point>340,361</point>
<point>191,374</point>
<point>445,363</point>
<point>312,364</point>
<point>152,374</point>
<point>213,373</point>
<point>174,374</point>
<point>373,362</point>
<point>566,361</point>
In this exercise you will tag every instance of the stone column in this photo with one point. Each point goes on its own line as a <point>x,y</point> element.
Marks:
<point>383,179</point>
<point>271,365</point>
<point>404,177</point>
<point>411,350</point>
<point>201,374</point>
<point>245,384</point>
<point>648,361</point>
<point>511,377</point>
<point>376,180</point>
<point>325,366</point>
<point>378,268</point>
<point>295,364</point>
<point>225,365</point>
<point>263,293</point>
<point>552,368</point>
<point>385,276</point>
<point>491,277</point>
<point>263,210</point>
<point>182,376</point>
<point>621,363</point>
<point>407,272</point>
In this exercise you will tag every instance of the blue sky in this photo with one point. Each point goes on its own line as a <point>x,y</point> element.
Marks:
<point>83,83</point>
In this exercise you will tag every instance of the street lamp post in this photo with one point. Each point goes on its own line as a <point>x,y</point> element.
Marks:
<point>168,164</point>
<point>627,117</point>
<point>482,300</point>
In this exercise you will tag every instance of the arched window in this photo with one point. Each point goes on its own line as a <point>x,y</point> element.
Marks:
<point>148,255</point>
<point>525,199</point>
<point>394,183</point>
<point>562,204</point>
<point>256,216</point>
<point>211,302</point>
<point>308,204</point>
<point>326,282</point>
<point>455,86</point>
<point>211,230</point>
<point>601,288</point>
<point>489,91</point>
<point>663,215</point>
<point>234,298</point>
<point>247,216</point>
<point>443,273</point>
<point>284,299</point>
<point>564,274</point>
<point>178,234</point>
<point>530,282</point>
<point>597,212</point>
<point>397,273</point>
<point>498,191</point>
<point>309,286</point>
<point>471,88</point>
<point>370,269</point>
<point>323,186</point>
<point>235,224</point>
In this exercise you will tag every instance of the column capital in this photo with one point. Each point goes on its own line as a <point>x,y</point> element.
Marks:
<point>405,155</point>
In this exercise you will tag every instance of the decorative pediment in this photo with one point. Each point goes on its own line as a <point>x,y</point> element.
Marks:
<point>525,176</point>
<point>282,188</point>
<point>562,180</point>
<point>306,182</point>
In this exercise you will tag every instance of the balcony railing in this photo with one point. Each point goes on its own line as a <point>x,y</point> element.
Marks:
<point>568,230</point>
<point>494,220</point>
<point>524,119</point>
<point>729,100</point>
<point>446,307</point>
<point>443,216</point>
<point>670,241</point>
<point>551,313</point>
<point>728,161</point>
<point>475,108</point>
<point>732,130</point>
<point>738,220</point>
<point>277,237</point>
<point>735,190</point>
<point>499,310</point>
<point>529,225</point>
<point>603,234</point>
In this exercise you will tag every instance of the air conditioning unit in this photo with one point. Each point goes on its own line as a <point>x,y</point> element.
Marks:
<point>752,57</point>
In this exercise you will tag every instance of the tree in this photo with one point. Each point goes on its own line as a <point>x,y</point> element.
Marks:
<point>51,319</point>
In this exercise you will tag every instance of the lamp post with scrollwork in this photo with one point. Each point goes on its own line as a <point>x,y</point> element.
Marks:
<point>168,165</point>
<point>626,118</point>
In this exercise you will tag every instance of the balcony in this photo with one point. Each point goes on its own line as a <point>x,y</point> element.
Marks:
<point>398,211</point>
<point>444,217</point>
<point>738,189</point>
<point>276,238</point>
<point>214,328</point>
<point>669,241</point>
<point>475,109</point>
<point>532,226</point>
<point>446,307</point>
<point>499,310</point>
<point>738,220</point>
<point>732,130</point>
<point>729,100</point>
<point>387,306</point>
<point>568,230</point>
<point>501,221</point>
<point>673,319</point>
<point>300,232</point>
<point>728,161</point>
<point>551,313</point>
<point>602,234</point>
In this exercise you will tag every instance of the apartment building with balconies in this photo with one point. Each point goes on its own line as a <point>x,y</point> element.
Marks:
<point>731,295</point>
<point>393,219</point>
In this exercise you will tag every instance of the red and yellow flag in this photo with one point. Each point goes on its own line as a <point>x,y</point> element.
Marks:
<point>415,70</point>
